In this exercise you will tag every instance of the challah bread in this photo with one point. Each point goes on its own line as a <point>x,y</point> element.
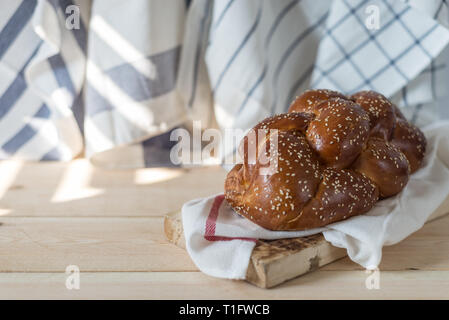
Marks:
<point>334,157</point>
<point>338,131</point>
<point>380,110</point>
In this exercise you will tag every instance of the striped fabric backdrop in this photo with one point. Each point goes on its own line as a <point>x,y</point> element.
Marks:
<point>41,115</point>
<point>133,70</point>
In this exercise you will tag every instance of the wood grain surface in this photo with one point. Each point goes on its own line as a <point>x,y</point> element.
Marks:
<point>276,261</point>
<point>110,224</point>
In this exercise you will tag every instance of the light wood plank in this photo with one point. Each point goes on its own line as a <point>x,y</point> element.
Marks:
<point>47,221</point>
<point>77,189</point>
<point>138,244</point>
<point>195,285</point>
<point>93,244</point>
<point>274,262</point>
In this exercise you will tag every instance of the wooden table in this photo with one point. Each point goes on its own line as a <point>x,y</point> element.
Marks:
<point>109,224</point>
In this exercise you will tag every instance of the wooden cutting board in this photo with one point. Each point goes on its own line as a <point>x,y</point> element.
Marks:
<point>276,261</point>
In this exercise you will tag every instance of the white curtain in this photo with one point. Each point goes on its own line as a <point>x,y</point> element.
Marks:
<point>113,86</point>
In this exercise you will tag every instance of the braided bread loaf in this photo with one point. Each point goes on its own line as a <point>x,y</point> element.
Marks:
<point>336,156</point>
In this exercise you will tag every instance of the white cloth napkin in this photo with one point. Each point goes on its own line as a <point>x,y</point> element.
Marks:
<point>220,242</point>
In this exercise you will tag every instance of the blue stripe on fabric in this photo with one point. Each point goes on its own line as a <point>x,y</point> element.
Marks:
<point>223,14</point>
<point>404,96</point>
<point>347,57</point>
<point>16,88</point>
<point>61,73</point>
<point>437,13</point>
<point>78,110</point>
<point>156,150</point>
<point>43,112</point>
<point>407,28</point>
<point>16,24</point>
<point>433,68</point>
<point>198,53</point>
<point>140,87</point>
<point>416,113</point>
<point>295,43</point>
<point>52,155</point>
<point>396,17</point>
<point>359,47</point>
<point>432,79</point>
<point>270,34</point>
<point>54,3</point>
<point>64,80</point>
<point>289,51</point>
<point>347,15</point>
<point>252,89</point>
<point>400,55</point>
<point>80,34</point>
<point>238,50</point>
<point>25,134</point>
<point>95,101</point>
<point>12,94</point>
<point>374,40</point>
<point>329,78</point>
<point>279,19</point>
<point>297,84</point>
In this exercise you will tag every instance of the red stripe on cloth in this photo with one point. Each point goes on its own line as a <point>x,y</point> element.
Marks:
<point>219,238</point>
<point>211,223</point>
<point>213,215</point>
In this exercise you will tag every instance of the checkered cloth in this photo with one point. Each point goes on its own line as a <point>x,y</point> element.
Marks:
<point>114,87</point>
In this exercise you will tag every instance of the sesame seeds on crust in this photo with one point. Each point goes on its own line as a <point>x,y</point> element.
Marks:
<point>334,160</point>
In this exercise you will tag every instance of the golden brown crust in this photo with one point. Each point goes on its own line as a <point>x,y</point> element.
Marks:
<point>336,157</point>
<point>310,99</point>
<point>380,111</point>
<point>338,132</point>
<point>385,165</point>
<point>340,195</point>
<point>411,141</point>
<point>272,200</point>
